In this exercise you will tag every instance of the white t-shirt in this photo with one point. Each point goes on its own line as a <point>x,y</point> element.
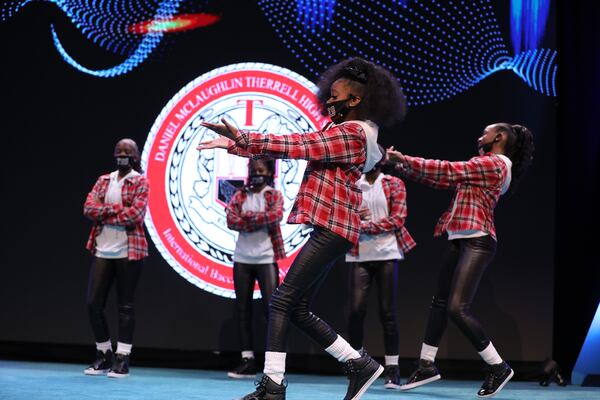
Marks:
<point>475,233</point>
<point>254,247</point>
<point>112,240</point>
<point>375,247</point>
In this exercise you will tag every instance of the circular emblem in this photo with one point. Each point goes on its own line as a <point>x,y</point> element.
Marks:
<point>189,189</point>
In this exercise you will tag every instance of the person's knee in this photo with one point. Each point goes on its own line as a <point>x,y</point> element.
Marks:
<point>281,300</point>
<point>126,312</point>
<point>387,316</point>
<point>438,303</point>
<point>95,307</point>
<point>458,311</point>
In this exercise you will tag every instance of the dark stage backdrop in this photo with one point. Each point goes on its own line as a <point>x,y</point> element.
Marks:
<point>60,126</point>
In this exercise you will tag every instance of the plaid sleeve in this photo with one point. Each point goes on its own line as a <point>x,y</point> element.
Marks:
<point>94,208</point>
<point>344,144</point>
<point>134,214</point>
<point>478,171</point>
<point>238,151</point>
<point>398,211</point>
<point>235,221</point>
<point>273,214</point>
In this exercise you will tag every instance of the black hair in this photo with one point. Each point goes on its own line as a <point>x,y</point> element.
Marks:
<point>269,163</point>
<point>519,148</point>
<point>382,99</point>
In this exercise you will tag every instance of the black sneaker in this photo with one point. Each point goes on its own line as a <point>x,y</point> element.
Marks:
<point>391,376</point>
<point>102,363</point>
<point>245,370</point>
<point>362,372</point>
<point>120,368</point>
<point>266,389</point>
<point>426,372</point>
<point>498,375</point>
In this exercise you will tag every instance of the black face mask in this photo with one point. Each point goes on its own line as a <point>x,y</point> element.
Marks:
<point>486,147</point>
<point>124,163</point>
<point>337,110</point>
<point>255,181</point>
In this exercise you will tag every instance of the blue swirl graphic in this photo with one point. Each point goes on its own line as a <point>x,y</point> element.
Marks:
<point>107,23</point>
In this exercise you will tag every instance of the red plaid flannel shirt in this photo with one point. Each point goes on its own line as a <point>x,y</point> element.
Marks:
<point>134,196</point>
<point>328,196</point>
<point>251,221</point>
<point>477,184</point>
<point>395,193</point>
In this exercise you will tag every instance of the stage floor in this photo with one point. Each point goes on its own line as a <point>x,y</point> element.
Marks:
<point>40,381</point>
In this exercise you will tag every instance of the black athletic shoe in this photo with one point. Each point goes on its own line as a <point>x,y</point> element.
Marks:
<point>120,368</point>
<point>102,363</point>
<point>266,389</point>
<point>391,376</point>
<point>426,372</point>
<point>362,372</point>
<point>497,376</point>
<point>245,370</point>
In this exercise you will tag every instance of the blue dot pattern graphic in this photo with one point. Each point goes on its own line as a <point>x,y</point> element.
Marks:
<point>437,49</point>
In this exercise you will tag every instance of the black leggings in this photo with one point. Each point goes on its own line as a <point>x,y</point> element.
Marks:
<point>102,274</point>
<point>244,276</point>
<point>385,274</point>
<point>458,281</point>
<point>292,299</point>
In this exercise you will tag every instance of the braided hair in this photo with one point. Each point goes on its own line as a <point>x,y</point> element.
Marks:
<point>382,99</point>
<point>519,148</point>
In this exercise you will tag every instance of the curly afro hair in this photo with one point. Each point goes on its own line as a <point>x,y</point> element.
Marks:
<point>382,99</point>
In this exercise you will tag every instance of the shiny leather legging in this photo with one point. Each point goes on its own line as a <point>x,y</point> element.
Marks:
<point>362,274</point>
<point>292,299</point>
<point>459,278</point>
<point>244,276</point>
<point>103,273</point>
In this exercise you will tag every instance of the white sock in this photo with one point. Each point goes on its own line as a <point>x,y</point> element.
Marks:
<point>490,355</point>
<point>428,352</point>
<point>342,350</point>
<point>391,360</point>
<point>104,346</point>
<point>247,354</point>
<point>275,366</point>
<point>123,348</point>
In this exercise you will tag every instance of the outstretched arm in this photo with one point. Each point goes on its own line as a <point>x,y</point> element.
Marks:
<point>340,144</point>
<point>478,171</point>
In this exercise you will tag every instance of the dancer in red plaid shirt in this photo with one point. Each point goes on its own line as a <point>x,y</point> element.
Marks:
<point>116,205</point>
<point>505,153</point>
<point>374,261</point>
<point>255,211</point>
<point>359,96</point>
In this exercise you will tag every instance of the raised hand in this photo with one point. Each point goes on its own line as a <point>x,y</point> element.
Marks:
<point>220,142</point>
<point>394,155</point>
<point>225,129</point>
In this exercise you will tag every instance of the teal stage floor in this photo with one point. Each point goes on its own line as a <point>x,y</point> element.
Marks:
<point>40,381</point>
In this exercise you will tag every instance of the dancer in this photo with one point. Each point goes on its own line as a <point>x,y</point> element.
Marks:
<point>505,153</point>
<point>359,96</point>
<point>383,242</point>
<point>255,211</point>
<point>117,205</point>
